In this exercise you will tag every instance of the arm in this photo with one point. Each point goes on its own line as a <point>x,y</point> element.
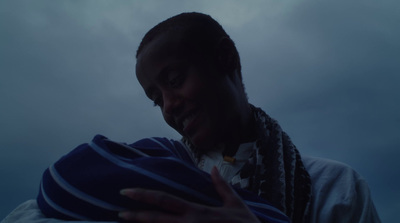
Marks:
<point>340,194</point>
<point>358,207</point>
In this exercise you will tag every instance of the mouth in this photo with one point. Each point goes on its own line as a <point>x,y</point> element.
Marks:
<point>188,120</point>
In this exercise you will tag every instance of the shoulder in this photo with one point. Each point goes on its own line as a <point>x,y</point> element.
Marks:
<point>332,181</point>
<point>25,212</point>
<point>339,193</point>
<point>326,170</point>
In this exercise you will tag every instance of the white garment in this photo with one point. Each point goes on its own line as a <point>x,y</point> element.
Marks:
<point>339,195</point>
<point>227,169</point>
<point>29,212</point>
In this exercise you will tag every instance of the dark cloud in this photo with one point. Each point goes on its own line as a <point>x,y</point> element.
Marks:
<point>328,71</point>
<point>329,74</point>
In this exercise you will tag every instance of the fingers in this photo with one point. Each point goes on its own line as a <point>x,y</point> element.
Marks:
<point>178,210</point>
<point>226,192</point>
<point>160,199</point>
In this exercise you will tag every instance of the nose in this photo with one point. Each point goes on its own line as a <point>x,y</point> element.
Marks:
<point>172,103</point>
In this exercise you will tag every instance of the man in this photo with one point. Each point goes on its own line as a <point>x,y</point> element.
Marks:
<point>191,69</point>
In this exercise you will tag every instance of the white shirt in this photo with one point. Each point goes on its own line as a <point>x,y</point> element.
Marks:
<point>227,169</point>
<point>339,194</point>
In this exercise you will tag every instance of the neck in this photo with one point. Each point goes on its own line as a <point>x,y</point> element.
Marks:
<point>244,131</point>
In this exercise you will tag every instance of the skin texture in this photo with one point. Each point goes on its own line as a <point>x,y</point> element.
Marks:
<point>204,100</point>
<point>233,210</point>
<point>209,96</point>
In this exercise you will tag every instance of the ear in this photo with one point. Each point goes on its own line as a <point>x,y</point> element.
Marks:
<point>226,57</point>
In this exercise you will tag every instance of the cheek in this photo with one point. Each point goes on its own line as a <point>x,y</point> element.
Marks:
<point>197,91</point>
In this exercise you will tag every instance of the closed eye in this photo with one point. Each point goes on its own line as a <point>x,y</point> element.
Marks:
<point>176,76</point>
<point>176,81</point>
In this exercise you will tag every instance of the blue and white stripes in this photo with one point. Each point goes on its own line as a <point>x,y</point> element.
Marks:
<point>85,183</point>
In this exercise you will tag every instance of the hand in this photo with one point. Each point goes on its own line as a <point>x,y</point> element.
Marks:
<point>180,210</point>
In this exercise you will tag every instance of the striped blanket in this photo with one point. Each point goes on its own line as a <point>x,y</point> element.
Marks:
<point>85,183</point>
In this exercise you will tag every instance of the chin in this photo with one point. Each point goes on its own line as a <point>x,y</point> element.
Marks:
<point>203,143</point>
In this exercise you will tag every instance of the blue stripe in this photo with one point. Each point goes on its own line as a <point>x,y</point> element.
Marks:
<point>176,151</point>
<point>59,208</point>
<point>153,176</point>
<point>129,148</point>
<point>188,153</point>
<point>262,205</point>
<point>159,143</point>
<point>79,194</point>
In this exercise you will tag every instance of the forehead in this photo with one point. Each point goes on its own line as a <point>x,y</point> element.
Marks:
<point>162,46</point>
<point>166,47</point>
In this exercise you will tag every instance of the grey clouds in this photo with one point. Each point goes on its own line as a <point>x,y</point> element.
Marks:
<point>329,72</point>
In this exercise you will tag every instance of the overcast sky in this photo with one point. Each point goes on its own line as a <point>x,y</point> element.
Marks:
<point>328,71</point>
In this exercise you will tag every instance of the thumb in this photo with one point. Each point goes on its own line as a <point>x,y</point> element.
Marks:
<point>226,192</point>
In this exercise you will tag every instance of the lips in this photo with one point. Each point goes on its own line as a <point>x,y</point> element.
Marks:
<point>187,121</point>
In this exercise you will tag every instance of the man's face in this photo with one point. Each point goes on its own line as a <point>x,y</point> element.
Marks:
<point>195,99</point>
